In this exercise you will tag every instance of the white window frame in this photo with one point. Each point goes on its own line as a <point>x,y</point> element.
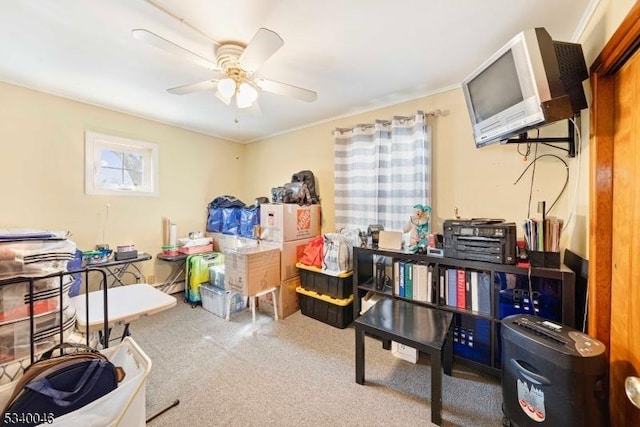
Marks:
<point>95,141</point>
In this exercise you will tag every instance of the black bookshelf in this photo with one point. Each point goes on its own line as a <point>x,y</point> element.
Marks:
<point>477,337</point>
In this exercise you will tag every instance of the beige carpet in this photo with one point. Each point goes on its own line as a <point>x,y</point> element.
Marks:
<point>293,372</point>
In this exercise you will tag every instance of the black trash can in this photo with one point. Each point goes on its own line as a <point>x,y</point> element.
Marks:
<point>552,375</point>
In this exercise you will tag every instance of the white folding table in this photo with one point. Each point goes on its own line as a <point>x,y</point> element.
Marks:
<point>124,305</point>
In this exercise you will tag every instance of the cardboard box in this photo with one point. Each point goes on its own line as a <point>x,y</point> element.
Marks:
<point>368,301</point>
<point>251,269</point>
<point>224,242</point>
<point>288,302</point>
<point>283,222</point>
<point>405,352</point>
<point>290,254</point>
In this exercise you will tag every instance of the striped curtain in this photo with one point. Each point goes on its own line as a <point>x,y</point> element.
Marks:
<point>382,170</point>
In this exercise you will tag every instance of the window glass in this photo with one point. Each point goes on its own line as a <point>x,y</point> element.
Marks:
<point>116,165</point>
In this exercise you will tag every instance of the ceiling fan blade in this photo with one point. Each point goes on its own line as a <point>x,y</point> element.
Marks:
<point>193,87</point>
<point>222,98</point>
<point>254,109</point>
<point>286,90</point>
<point>169,46</point>
<point>263,44</point>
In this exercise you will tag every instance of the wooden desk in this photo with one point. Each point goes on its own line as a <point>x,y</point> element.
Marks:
<point>426,329</point>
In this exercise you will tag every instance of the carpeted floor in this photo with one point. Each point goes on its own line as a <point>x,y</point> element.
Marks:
<point>293,372</point>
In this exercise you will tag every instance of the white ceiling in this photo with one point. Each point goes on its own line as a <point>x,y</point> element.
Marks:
<point>358,55</point>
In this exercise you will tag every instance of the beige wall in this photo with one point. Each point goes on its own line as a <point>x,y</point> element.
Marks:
<point>604,21</point>
<point>42,152</point>
<point>478,182</point>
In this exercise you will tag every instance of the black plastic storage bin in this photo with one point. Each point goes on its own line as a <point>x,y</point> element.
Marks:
<point>472,338</point>
<point>332,311</point>
<point>337,286</point>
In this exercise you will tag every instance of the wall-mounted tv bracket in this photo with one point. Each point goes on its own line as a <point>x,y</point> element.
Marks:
<point>523,138</point>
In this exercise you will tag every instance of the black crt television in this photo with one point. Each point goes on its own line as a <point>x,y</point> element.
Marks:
<point>530,82</point>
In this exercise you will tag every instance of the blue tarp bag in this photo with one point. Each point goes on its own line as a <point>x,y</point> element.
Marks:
<point>214,220</point>
<point>249,217</point>
<point>231,220</point>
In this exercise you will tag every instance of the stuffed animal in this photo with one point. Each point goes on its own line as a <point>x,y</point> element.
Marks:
<point>418,228</point>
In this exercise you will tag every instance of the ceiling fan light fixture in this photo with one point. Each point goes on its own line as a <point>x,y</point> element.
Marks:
<point>235,66</point>
<point>227,87</point>
<point>246,95</point>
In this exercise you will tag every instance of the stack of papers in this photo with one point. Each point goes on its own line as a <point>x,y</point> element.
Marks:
<point>543,235</point>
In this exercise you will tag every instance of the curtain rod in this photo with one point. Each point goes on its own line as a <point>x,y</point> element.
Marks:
<point>434,113</point>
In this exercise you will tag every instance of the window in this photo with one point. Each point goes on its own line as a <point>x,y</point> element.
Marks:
<point>120,166</point>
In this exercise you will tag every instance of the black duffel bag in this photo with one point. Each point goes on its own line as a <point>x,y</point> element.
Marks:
<point>54,386</point>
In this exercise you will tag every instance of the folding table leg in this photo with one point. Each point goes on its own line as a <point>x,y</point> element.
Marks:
<point>253,311</point>
<point>275,303</point>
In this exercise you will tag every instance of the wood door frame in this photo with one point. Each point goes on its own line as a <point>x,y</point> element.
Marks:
<point>602,78</point>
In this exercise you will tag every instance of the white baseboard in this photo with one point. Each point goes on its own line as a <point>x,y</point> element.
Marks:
<point>170,289</point>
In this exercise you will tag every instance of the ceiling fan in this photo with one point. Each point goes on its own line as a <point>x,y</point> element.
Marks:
<point>234,69</point>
